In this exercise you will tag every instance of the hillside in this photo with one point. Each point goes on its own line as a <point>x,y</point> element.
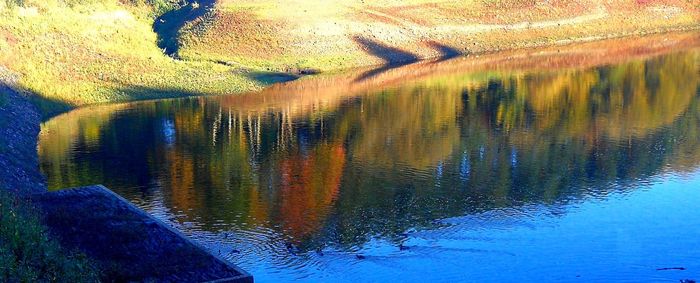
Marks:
<point>77,52</point>
<point>298,35</point>
<point>104,51</point>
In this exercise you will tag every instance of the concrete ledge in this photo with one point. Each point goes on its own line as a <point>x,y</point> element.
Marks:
<point>127,243</point>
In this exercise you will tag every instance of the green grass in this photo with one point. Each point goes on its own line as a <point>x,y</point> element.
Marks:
<point>27,254</point>
<point>74,53</point>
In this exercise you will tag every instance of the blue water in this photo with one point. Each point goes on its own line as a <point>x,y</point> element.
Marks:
<point>623,237</point>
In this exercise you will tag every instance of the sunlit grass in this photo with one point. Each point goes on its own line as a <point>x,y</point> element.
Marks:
<point>100,52</point>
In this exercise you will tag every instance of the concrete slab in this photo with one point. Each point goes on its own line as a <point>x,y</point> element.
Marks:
<point>126,242</point>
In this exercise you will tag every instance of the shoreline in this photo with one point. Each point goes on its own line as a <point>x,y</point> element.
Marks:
<point>280,77</point>
<point>648,44</point>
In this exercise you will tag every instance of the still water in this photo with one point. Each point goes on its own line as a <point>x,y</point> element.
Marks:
<point>471,169</point>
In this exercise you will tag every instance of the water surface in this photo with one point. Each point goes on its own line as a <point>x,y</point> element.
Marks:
<point>473,169</point>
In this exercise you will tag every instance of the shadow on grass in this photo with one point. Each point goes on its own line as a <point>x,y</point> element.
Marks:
<point>269,78</point>
<point>446,52</point>
<point>49,108</point>
<point>390,55</point>
<point>395,57</point>
<point>45,107</point>
<point>168,25</point>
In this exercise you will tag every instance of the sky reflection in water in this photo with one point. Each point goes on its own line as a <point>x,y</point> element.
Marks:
<point>442,171</point>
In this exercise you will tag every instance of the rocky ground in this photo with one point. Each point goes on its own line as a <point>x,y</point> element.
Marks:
<point>19,127</point>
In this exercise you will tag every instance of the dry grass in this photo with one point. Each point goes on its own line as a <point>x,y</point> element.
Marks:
<point>306,34</point>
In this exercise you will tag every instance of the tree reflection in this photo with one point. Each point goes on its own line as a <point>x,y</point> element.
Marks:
<point>340,168</point>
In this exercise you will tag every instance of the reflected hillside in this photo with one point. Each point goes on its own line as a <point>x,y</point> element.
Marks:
<point>337,161</point>
<point>325,92</point>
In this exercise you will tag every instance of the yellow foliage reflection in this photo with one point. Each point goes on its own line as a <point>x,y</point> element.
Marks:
<point>298,154</point>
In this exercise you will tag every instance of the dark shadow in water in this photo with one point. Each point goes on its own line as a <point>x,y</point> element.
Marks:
<point>168,25</point>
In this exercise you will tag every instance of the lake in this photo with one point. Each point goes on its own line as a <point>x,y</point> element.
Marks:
<point>568,164</point>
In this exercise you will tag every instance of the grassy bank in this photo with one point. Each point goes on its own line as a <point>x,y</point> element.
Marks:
<point>101,51</point>
<point>28,254</point>
<point>77,52</point>
<point>325,35</point>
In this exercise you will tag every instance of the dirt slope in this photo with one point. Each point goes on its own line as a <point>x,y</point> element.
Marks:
<point>294,35</point>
